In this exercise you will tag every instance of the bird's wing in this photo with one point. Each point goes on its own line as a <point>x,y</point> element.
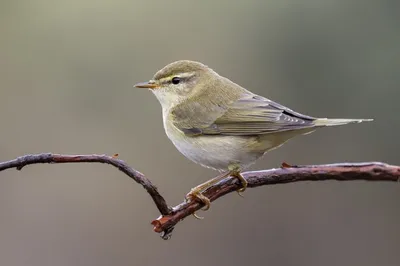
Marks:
<point>249,115</point>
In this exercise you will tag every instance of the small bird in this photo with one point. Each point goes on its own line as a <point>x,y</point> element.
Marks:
<point>220,125</point>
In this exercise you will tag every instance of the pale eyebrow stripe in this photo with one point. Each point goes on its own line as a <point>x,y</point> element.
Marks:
<point>181,75</point>
<point>186,75</point>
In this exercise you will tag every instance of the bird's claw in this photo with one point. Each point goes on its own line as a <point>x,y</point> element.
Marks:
<point>197,217</point>
<point>197,195</point>
<point>243,181</point>
<point>240,192</point>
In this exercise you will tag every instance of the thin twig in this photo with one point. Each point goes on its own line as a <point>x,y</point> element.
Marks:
<point>22,161</point>
<point>373,171</point>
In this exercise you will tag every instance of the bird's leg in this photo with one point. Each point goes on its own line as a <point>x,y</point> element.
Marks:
<point>235,171</point>
<point>196,192</point>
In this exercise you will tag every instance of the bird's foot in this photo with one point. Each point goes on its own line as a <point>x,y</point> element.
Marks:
<point>236,173</point>
<point>196,195</point>
<point>197,192</point>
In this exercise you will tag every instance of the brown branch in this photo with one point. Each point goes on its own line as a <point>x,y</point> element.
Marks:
<point>22,161</point>
<point>373,171</point>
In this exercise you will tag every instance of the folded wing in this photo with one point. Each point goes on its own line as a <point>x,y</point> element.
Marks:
<point>249,115</point>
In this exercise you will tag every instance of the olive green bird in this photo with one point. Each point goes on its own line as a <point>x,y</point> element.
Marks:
<point>220,125</point>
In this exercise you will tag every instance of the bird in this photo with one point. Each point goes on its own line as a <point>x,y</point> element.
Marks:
<point>219,124</point>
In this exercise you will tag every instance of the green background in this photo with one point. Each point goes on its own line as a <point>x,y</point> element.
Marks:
<point>66,75</point>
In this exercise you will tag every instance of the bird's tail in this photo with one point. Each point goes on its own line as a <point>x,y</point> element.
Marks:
<point>337,122</point>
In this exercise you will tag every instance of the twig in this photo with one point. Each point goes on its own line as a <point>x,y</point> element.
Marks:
<point>22,161</point>
<point>373,171</point>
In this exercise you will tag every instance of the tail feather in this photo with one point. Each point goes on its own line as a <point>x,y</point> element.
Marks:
<point>337,122</point>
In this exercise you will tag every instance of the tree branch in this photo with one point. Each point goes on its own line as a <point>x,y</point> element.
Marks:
<point>373,171</point>
<point>50,158</point>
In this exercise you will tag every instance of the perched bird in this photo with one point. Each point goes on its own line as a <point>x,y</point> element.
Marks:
<point>221,125</point>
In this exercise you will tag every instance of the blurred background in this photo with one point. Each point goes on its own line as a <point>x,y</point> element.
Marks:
<point>66,75</point>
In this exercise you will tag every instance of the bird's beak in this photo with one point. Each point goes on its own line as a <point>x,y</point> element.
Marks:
<point>146,85</point>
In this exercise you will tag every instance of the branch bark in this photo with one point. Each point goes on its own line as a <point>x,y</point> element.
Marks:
<point>50,158</point>
<point>372,171</point>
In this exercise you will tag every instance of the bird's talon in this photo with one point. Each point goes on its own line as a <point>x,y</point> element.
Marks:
<point>195,195</point>
<point>197,217</point>
<point>243,189</point>
<point>206,207</point>
<point>244,182</point>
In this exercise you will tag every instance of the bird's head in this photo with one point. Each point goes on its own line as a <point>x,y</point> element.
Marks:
<point>179,80</point>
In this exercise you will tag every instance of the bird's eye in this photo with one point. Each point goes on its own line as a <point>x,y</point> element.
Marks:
<point>176,80</point>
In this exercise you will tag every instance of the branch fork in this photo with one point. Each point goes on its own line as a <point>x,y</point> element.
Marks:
<point>369,171</point>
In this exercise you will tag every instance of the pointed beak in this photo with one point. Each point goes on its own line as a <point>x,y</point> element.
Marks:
<point>146,85</point>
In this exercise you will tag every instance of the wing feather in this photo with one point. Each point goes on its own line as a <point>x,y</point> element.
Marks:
<point>249,115</point>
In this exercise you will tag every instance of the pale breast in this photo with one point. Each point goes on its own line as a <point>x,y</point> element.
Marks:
<point>217,151</point>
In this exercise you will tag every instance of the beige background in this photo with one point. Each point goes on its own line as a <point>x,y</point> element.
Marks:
<point>66,75</point>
